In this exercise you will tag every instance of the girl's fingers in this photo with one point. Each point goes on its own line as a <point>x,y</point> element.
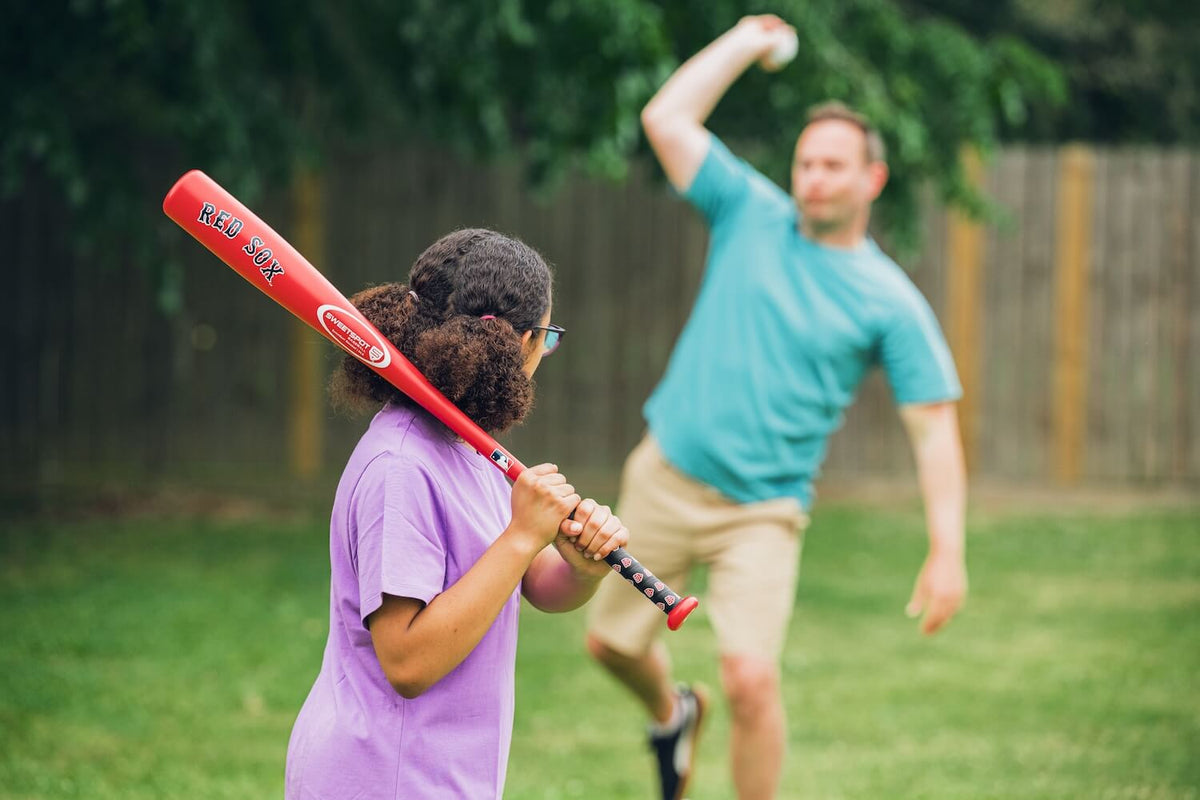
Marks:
<point>601,534</point>
<point>611,536</point>
<point>595,521</point>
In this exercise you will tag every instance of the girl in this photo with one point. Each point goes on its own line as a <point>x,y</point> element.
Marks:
<point>429,546</point>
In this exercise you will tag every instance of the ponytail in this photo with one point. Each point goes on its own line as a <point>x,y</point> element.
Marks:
<point>355,388</point>
<point>478,365</point>
<point>473,294</point>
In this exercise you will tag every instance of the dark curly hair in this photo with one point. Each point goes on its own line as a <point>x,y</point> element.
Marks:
<point>435,321</point>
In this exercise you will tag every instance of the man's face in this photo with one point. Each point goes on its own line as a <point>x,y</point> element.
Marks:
<point>832,182</point>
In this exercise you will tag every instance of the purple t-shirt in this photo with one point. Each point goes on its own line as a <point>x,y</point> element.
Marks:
<point>414,511</point>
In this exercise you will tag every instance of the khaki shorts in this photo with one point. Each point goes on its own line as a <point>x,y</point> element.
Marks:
<point>752,551</point>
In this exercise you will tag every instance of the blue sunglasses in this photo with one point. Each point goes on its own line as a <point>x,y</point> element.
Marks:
<point>554,334</point>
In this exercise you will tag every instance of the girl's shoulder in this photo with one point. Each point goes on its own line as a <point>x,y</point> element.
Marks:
<point>402,429</point>
<point>410,441</point>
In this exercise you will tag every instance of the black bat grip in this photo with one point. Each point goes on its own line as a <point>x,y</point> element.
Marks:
<point>675,607</point>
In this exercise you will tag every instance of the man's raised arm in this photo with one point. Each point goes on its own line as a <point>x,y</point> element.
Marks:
<point>674,117</point>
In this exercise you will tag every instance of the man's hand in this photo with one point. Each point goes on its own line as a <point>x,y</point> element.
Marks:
<point>766,31</point>
<point>939,592</point>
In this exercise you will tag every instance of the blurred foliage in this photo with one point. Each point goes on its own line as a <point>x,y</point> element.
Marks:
<point>1132,66</point>
<point>104,98</point>
<point>931,88</point>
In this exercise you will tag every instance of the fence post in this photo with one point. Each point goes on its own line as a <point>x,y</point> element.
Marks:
<point>964,309</point>
<point>305,420</point>
<point>1072,261</point>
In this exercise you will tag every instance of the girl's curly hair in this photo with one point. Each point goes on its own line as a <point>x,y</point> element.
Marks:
<point>435,321</point>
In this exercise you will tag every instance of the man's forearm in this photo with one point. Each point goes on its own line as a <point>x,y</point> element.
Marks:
<point>937,449</point>
<point>674,118</point>
<point>691,94</point>
<point>941,584</point>
<point>943,480</point>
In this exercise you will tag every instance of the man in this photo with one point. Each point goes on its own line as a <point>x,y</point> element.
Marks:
<point>796,305</point>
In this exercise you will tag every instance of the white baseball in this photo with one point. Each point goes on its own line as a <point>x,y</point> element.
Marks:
<point>784,50</point>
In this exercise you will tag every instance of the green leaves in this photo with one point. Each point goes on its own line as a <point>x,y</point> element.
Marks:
<point>107,99</point>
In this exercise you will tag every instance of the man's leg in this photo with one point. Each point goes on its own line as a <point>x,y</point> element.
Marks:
<point>647,676</point>
<point>677,711</point>
<point>757,734</point>
<point>623,629</point>
<point>753,569</point>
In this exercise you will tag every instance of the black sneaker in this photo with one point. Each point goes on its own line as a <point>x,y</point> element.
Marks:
<point>676,750</point>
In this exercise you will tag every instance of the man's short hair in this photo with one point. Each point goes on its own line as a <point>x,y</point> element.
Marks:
<point>837,110</point>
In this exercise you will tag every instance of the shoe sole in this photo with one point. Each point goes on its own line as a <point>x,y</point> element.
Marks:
<point>701,694</point>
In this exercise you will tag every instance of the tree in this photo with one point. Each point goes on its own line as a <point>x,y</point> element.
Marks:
<point>105,99</point>
<point>1132,67</point>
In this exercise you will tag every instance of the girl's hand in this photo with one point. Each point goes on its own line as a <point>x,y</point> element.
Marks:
<point>541,501</point>
<point>585,540</point>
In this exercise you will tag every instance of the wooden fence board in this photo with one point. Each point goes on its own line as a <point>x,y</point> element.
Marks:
<point>1114,330</point>
<point>1189,351</point>
<point>1143,255</point>
<point>1072,262</point>
<point>1176,298</point>
<point>1003,326</point>
<point>1099,412</point>
<point>964,258</point>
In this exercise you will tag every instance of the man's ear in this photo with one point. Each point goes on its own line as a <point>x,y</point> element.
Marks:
<point>877,176</point>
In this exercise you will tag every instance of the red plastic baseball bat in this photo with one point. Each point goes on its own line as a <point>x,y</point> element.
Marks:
<point>244,242</point>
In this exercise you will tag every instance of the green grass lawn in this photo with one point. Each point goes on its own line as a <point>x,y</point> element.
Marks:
<point>166,658</point>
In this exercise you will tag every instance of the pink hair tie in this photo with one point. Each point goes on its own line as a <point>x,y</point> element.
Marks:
<point>488,316</point>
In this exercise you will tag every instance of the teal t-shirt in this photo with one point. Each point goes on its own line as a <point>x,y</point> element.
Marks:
<point>782,333</point>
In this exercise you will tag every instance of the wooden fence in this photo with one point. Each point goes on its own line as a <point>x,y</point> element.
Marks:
<point>1076,327</point>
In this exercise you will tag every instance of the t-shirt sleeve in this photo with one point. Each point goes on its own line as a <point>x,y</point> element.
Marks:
<point>915,356</point>
<point>401,549</point>
<point>721,185</point>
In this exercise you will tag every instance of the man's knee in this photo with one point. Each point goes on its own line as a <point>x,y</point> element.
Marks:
<point>751,684</point>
